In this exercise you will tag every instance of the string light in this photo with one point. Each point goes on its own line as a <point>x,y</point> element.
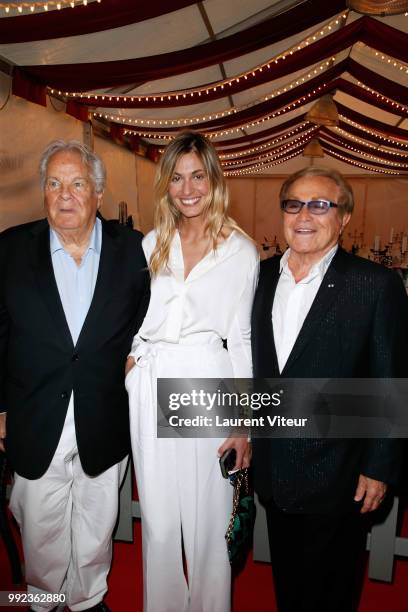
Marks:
<point>274,154</point>
<point>387,59</point>
<point>218,85</point>
<point>355,163</point>
<point>263,161</point>
<point>273,157</point>
<point>366,143</point>
<point>262,166</point>
<point>50,4</point>
<point>374,157</point>
<point>266,145</point>
<point>147,135</point>
<point>220,114</point>
<point>276,158</point>
<point>160,136</point>
<point>269,144</point>
<point>299,102</point>
<point>373,133</point>
<point>379,96</point>
<point>244,152</point>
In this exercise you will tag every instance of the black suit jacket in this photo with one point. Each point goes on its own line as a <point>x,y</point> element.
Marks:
<point>357,327</point>
<point>40,366</point>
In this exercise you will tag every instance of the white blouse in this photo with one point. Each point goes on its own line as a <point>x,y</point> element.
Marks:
<point>213,303</point>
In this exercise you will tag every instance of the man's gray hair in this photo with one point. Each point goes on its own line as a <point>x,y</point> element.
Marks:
<point>96,166</point>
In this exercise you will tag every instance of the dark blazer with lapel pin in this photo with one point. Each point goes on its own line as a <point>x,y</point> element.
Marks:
<point>357,327</point>
<point>40,366</point>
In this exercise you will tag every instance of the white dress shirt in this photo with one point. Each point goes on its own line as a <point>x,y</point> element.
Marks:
<point>213,303</point>
<point>293,301</point>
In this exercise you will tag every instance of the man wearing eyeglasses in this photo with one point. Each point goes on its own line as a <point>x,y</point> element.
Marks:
<point>71,287</point>
<point>320,312</point>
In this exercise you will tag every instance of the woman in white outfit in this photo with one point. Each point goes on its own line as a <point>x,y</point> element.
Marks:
<point>204,272</point>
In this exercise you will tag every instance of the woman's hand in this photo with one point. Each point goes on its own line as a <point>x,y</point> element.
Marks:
<point>242,448</point>
<point>130,363</point>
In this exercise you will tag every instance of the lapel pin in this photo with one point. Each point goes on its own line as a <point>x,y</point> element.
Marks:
<point>330,285</point>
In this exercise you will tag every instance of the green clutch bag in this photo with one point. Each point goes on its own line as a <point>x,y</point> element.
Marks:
<point>241,524</point>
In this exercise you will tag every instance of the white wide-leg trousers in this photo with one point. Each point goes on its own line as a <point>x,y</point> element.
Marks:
<point>185,503</point>
<point>66,519</point>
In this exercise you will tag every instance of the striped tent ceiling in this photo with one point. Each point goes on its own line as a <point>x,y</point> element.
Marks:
<point>245,72</point>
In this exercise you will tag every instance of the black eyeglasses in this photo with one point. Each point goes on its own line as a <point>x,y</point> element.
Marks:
<point>316,207</point>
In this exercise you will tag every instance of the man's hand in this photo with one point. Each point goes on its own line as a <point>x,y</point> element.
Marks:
<point>2,430</point>
<point>372,491</point>
<point>242,448</point>
<point>130,363</point>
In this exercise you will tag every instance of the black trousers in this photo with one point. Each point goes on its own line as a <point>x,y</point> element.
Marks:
<point>317,560</point>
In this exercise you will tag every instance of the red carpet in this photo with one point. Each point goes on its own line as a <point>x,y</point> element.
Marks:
<point>252,588</point>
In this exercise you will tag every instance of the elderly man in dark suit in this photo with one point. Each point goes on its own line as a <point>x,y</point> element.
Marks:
<point>71,288</point>
<point>322,313</point>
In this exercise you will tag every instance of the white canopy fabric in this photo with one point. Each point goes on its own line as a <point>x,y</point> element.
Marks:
<point>376,140</point>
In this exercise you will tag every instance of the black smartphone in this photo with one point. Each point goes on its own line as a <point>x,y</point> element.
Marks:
<point>227,461</point>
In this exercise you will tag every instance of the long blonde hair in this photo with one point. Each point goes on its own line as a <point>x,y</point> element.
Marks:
<point>166,214</point>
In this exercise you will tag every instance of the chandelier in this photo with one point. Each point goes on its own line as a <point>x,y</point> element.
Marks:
<point>323,112</point>
<point>313,149</point>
